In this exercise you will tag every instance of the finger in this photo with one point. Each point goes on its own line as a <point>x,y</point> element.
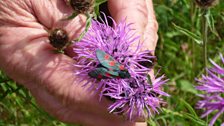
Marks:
<point>141,124</point>
<point>150,32</point>
<point>141,14</point>
<point>133,11</point>
<point>53,13</point>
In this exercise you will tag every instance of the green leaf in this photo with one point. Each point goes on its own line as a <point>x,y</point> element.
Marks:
<point>151,122</point>
<point>191,35</point>
<point>211,24</point>
<point>190,109</point>
<point>72,16</point>
<point>99,2</point>
<point>96,6</point>
<point>168,111</point>
<point>191,117</point>
<point>186,86</point>
<point>197,121</point>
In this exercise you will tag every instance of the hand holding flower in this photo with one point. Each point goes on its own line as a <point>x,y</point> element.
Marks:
<point>27,57</point>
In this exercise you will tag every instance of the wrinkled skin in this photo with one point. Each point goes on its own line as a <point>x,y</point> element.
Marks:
<point>27,57</point>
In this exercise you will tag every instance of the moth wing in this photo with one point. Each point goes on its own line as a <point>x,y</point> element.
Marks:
<point>102,73</point>
<point>96,72</point>
<point>106,60</point>
<point>113,73</point>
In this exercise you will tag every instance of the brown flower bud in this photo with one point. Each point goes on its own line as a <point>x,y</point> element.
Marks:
<point>82,6</point>
<point>206,3</point>
<point>59,38</point>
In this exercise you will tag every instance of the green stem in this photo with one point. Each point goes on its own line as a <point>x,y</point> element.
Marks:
<point>192,12</point>
<point>205,41</point>
<point>205,37</point>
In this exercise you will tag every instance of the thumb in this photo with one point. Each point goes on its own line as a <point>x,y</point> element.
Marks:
<point>139,12</point>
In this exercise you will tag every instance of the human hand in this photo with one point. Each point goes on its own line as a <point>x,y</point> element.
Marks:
<point>27,57</point>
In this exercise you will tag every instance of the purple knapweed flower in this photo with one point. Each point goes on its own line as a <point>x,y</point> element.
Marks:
<point>132,95</point>
<point>136,100</point>
<point>213,86</point>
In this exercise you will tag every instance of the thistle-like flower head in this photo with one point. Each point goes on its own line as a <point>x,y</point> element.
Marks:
<point>131,93</point>
<point>213,86</point>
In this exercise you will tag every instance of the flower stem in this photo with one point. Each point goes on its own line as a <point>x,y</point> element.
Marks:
<point>193,13</point>
<point>205,37</point>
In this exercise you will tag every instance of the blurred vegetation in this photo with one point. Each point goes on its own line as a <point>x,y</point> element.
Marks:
<point>180,58</point>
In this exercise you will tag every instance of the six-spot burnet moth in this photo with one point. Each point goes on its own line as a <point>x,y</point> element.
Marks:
<point>108,67</point>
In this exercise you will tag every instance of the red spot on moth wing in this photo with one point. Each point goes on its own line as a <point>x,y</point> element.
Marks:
<point>112,63</point>
<point>121,67</point>
<point>99,76</point>
<point>106,57</point>
<point>110,69</point>
<point>107,75</point>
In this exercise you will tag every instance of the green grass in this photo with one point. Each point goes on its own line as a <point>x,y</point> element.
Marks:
<point>180,57</point>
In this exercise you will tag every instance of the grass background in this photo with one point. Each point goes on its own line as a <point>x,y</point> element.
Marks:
<point>179,54</point>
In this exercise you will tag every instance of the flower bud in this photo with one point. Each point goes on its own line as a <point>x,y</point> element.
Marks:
<point>82,6</point>
<point>59,38</point>
<point>206,3</point>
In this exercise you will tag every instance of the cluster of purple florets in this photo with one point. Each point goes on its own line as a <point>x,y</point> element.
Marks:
<point>213,87</point>
<point>134,96</point>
